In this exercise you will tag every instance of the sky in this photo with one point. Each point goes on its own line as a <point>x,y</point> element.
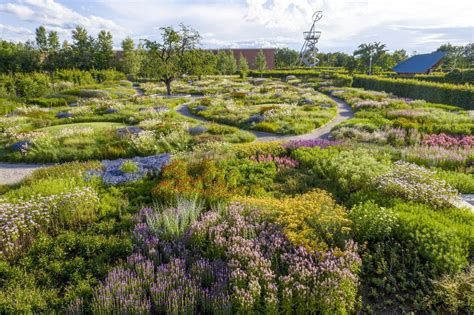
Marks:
<point>416,25</point>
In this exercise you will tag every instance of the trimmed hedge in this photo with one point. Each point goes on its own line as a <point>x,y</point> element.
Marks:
<point>455,77</point>
<point>340,77</point>
<point>459,95</point>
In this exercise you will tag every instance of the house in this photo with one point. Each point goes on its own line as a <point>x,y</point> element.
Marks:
<point>419,64</point>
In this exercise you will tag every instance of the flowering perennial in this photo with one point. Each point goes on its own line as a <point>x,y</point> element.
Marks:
<point>281,162</point>
<point>224,264</point>
<point>448,141</point>
<point>20,219</point>
<point>416,183</point>
<point>112,173</point>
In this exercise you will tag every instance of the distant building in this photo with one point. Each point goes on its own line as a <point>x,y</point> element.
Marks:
<point>250,54</point>
<point>419,64</point>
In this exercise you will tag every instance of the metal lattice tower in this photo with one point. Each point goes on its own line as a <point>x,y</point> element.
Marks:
<point>308,53</point>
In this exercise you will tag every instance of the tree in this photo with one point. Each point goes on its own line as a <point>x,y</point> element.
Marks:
<point>103,52</point>
<point>130,61</point>
<point>200,62</point>
<point>41,39</point>
<point>166,61</point>
<point>370,55</point>
<point>261,62</point>
<point>226,63</point>
<point>286,57</point>
<point>53,41</point>
<point>454,56</point>
<point>82,48</point>
<point>399,55</point>
<point>243,66</point>
<point>468,55</point>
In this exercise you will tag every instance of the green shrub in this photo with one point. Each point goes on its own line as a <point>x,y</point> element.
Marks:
<point>372,223</point>
<point>267,127</point>
<point>349,171</point>
<point>464,183</point>
<point>440,244</point>
<point>78,77</point>
<point>47,102</point>
<point>129,167</point>
<point>456,291</point>
<point>459,95</point>
<point>169,223</point>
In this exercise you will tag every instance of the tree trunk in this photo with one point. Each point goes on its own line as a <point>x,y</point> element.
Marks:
<point>168,87</point>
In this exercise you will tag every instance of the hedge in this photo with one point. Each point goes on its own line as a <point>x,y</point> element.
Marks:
<point>339,77</point>
<point>459,95</point>
<point>456,76</point>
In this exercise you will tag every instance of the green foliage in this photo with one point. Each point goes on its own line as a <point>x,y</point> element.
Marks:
<point>170,222</point>
<point>226,62</point>
<point>464,183</point>
<point>167,60</point>
<point>372,223</point>
<point>345,171</point>
<point>24,85</point>
<point>462,96</point>
<point>214,181</point>
<point>129,167</point>
<point>261,61</point>
<point>438,239</point>
<point>457,291</point>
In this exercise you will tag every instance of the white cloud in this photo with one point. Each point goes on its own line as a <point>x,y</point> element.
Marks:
<point>410,24</point>
<point>55,15</point>
<point>15,29</point>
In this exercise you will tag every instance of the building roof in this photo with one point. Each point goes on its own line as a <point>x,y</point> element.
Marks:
<point>419,63</point>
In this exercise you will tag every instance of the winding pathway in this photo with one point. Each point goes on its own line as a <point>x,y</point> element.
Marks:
<point>344,112</point>
<point>12,173</point>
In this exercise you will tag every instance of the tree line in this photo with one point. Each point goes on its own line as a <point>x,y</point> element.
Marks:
<point>86,52</point>
<point>382,60</point>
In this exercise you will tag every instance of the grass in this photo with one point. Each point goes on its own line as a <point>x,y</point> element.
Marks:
<point>97,126</point>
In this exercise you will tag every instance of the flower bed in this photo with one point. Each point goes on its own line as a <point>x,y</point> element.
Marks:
<point>113,173</point>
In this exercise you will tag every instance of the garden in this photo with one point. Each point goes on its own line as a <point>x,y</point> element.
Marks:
<point>157,198</point>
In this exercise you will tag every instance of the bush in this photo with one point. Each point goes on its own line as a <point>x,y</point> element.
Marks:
<point>440,244</point>
<point>27,85</point>
<point>347,171</point>
<point>456,291</point>
<point>169,223</point>
<point>459,95</point>
<point>47,102</point>
<point>214,181</point>
<point>416,183</point>
<point>312,220</point>
<point>372,223</point>
<point>464,183</point>
<point>78,77</point>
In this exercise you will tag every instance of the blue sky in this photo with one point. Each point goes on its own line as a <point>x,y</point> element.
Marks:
<point>416,25</point>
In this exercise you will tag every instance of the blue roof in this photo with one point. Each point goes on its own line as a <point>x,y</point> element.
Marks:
<point>419,63</point>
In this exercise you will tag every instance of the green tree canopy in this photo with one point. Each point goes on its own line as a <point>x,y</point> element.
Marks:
<point>103,52</point>
<point>261,61</point>
<point>243,66</point>
<point>166,60</point>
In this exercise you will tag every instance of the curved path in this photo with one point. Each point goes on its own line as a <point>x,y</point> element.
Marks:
<point>344,112</point>
<point>12,173</point>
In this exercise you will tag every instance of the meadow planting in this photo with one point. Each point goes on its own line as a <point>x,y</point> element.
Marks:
<point>167,205</point>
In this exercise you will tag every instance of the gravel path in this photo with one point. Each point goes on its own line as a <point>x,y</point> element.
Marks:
<point>14,173</point>
<point>344,112</point>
